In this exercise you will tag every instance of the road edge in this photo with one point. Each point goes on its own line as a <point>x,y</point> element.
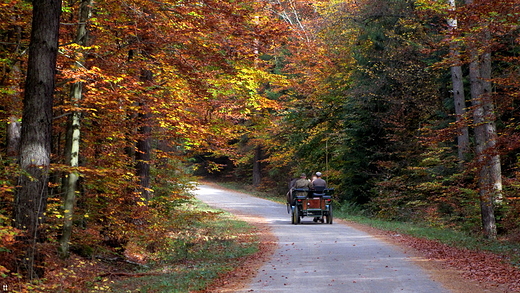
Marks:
<point>438,269</point>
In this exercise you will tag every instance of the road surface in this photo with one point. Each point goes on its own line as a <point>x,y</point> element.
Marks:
<point>315,257</point>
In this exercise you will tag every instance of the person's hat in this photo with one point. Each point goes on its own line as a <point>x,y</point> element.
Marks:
<point>303,175</point>
<point>318,174</point>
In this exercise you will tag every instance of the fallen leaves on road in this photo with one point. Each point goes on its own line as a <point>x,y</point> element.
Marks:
<point>482,266</point>
<point>489,270</point>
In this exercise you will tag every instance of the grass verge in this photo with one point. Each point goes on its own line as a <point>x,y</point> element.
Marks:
<point>446,236</point>
<point>193,256</point>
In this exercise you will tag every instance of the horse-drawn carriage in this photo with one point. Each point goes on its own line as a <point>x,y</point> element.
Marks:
<point>311,203</point>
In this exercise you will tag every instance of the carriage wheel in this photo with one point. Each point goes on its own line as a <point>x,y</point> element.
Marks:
<point>295,216</point>
<point>329,215</point>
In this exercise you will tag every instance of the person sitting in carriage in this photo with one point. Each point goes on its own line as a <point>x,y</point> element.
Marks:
<point>318,184</point>
<point>302,183</point>
<point>318,187</point>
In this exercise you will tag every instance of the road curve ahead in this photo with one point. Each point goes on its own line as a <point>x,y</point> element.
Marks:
<point>314,257</point>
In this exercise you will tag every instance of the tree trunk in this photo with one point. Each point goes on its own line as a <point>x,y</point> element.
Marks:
<point>13,136</point>
<point>460,110</point>
<point>490,179</point>
<point>70,181</point>
<point>73,136</point>
<point>459,98</point>
<point>489,174</point>
<point>35,144</point>
<point>143,157</point>
<point>257,170</point>
<point>144,144</point>
<point>14,126</point>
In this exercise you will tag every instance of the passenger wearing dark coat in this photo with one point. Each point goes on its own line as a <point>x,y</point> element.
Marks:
<point>319,183</point>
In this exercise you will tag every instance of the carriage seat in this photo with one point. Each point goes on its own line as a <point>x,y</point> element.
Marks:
<point>318,191</point>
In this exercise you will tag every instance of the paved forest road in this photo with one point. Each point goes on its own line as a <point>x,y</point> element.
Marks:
<point>314,257</point>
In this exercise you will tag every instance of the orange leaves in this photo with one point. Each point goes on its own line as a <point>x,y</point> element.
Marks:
<point>188,48</point>
<point>490,270</point>
<point>192,72</point>
<point>193,68</point>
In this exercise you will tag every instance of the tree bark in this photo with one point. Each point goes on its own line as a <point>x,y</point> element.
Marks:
<point>459,98</point>
<point>257,170</point>
<point>73,136</point>
<point>143,157</point>
<point>71,180</point>
<point>490,179</point>
<point>14,125</point>
<point>35,144</point>
<point>14,128</point>
<point>144,144</point>
<point>489,174</point>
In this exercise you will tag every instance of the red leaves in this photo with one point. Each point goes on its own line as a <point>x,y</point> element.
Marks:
<point>485,267</point>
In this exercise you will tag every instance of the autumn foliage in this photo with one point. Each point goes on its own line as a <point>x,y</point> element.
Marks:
<point>259,91</point>
<point>374,107</point>
<point>160,83</point>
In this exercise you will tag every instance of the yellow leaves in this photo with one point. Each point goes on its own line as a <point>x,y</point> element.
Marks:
<point>76,46</point>
<point>238,95</point>
<point>331,7</point>
<point>434,5</point>
<point>195,14</point>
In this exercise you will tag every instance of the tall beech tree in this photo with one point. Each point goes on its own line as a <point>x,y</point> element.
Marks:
<point>72,144</point>
<point>12,51</point>
<point>488,159</point>
<point>457,81</point>
<point>35,144</point>
<point>143,153</point>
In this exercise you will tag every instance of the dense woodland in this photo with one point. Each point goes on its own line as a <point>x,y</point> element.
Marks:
<point>109,109</point>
